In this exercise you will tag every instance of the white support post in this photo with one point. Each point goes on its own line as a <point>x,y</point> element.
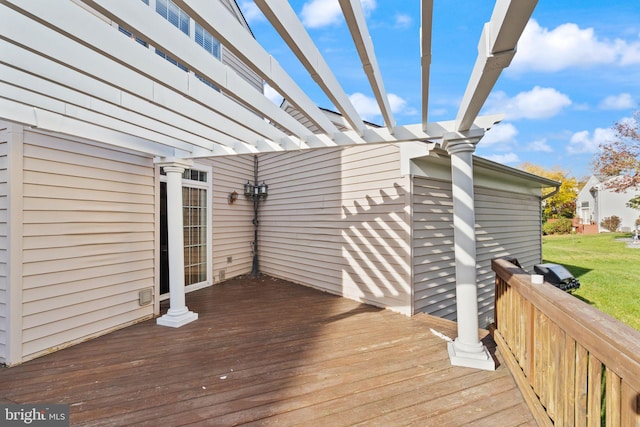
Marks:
<point>467,349</point>
<point>178,313</point>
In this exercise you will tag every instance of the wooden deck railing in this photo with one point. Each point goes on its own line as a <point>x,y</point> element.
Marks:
<point>574,364</point>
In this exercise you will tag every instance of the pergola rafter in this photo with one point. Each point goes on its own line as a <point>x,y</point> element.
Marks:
<point>286,22</point>
<point>97,77</point>
<point>353,14</point>
<point>426,27</point>
<point>496,49</point>
<point>214,18</point>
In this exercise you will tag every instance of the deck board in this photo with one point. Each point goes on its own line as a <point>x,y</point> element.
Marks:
<point>268,352</point>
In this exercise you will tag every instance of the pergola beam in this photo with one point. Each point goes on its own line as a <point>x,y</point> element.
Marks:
<point>286,22</point>
<point>352,10</point>
<point>496,49</point>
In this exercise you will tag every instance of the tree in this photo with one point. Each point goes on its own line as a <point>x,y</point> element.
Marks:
<point>621,157</point>
<point>634,202</point>
<point>611,223</point>
<point>563,203</point>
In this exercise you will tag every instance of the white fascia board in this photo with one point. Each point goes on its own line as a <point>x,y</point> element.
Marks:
<point>215,19</point>
<point>139,70</point>
<point>151,27</point>
<point>496,49</point>
<point>426,29</point>
<point>352,10</point>
<point>286,22</point>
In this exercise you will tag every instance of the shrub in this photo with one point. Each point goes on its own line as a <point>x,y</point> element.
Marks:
<point>611,223</point>
<point>560,226</point>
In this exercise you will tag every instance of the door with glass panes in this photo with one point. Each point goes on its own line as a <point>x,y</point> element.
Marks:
<point>196,215</point>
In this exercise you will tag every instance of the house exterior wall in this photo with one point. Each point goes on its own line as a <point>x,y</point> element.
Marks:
<point>586,207</point>
<point>595,203</point>
<point>4,241</point>
<point>508,223</point>
<point>88,243</point>
<point>232,230</point>
<point>339,220</point>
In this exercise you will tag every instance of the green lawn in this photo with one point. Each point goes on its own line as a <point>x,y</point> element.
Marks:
<point>609,271</point>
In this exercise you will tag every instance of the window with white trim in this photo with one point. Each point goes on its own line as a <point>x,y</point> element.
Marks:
<point>172,13</point>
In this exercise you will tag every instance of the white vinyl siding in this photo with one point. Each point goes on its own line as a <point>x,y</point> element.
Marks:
<point>507,224</point>
<point>89,240</point>
<point>232,226</point>
<point>433,248</point>
<point>338,220</point>
<point>4,242</point>
<point>243,71</point>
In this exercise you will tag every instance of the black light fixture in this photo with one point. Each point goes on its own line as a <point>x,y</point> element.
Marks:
<point>264,188</point>
<point>248,189</point>
<point>255,192</point>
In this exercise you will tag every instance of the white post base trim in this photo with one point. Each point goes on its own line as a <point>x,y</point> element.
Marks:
<point>177,320</point>
<point>480,360</point>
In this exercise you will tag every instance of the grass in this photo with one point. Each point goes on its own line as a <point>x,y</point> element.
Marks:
<point>609,271</point>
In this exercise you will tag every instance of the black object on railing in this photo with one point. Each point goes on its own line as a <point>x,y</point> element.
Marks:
<point>558,276</point>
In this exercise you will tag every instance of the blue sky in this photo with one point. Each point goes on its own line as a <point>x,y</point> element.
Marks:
<point>576,72</point>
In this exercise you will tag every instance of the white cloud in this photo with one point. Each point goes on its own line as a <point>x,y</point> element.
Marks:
<point>538,103</point>
<point>368,109</point>
<point>366,106</point>
<point>251,12</point>
<point>504,158</point>
<point>403,21</point>
<point>502,133</point>
<point>323,13</point>
<point>586,142</point>
<point>272,95</point>
<point>624,101</point>
<point>568,45</point>
<point>540,145</point>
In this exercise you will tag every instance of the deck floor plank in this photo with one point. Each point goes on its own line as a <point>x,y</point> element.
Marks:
<point>268,352</point>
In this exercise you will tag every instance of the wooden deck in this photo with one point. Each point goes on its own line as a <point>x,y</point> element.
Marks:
<point>267,352</point>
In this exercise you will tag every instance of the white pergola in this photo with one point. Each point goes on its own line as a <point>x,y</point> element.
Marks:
<point>66,70</point>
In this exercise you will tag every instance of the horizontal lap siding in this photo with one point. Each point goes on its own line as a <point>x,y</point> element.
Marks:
<point>4,280</point>
<point>232,223</point>
<point>507,224</point>
<point>337,220</point>
<point>89,240</point>
<point>433,248</point>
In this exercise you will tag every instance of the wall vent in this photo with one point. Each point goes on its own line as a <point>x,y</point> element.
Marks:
<point>145,296</point>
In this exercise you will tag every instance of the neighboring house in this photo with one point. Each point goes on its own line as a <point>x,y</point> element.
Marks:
<point>596,201</point>
<point>116,170</point>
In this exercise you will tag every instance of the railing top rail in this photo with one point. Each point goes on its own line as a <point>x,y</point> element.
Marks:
<point>614,343</point>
